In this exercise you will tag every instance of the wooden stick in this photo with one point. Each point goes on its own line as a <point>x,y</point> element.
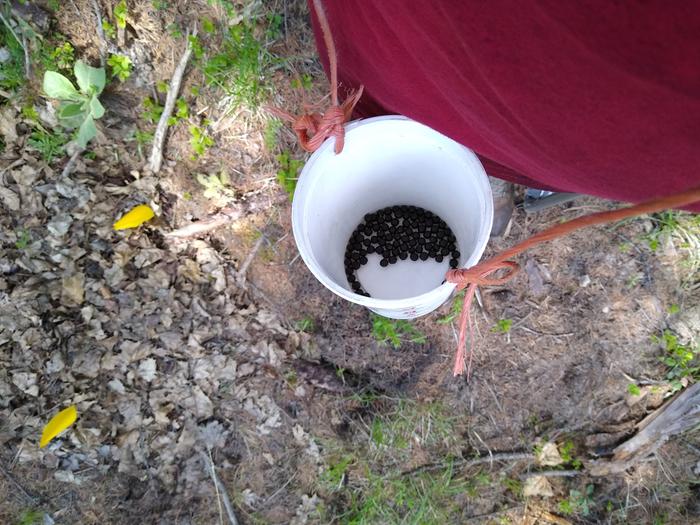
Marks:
<point>466,463</point>
<point>225,216</point>
<point>100,31</point>
<point>156,158</point>
<point>553,474</point>
<point>68,168</point>
<point>221,489</point>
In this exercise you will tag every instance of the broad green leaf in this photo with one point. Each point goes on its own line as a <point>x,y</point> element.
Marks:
<point>86,132</point>
<point>96,108</point>
<point>58,424</point>
<point>67,111</point>
<point>58,86</point>
<point>89,77</point>
<point>135,217</point>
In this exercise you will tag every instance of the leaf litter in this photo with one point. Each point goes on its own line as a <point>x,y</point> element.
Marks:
<point>154,345</point>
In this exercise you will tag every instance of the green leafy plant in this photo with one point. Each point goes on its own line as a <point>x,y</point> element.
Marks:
<point>120,66</point>
<point>63,56</point>
<point>151,110</point>
<point>302,82</point>
<point>120,12</point>
<point>681,359</point>
<point>456,310</point>
<point>182,112</point>
<point>216,186</point>
<point>200,141</point>
<point>395,331</point>
<point>196,45</point>
<point>503,326</point>
<point>566,450</point>
<point>22,240</point>
<point>12,68</point>
<point>78,109</point>
<point>30,517</point>
<point>306,324</point>
<point>109,29</point>
<point>633,389</point>
<point>578,503</point>
<point>288,172</point>
<point>161,87</point>
<point>240,66</point>
<point>49,145</point>
<point>208,26</point>
<point>272,128</point>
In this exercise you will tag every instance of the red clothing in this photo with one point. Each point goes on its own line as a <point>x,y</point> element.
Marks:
<point>595,97</point>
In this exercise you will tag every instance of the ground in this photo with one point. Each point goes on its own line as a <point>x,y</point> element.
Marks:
<point>222,349</point>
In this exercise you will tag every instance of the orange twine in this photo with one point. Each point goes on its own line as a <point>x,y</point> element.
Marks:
<point>481,273</point>
<point>313,129</point>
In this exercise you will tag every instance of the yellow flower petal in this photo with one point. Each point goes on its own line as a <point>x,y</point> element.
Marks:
<point>58,424</point>
<point>136,217</point>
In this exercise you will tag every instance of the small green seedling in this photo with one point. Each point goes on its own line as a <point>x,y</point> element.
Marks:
<point>49,145</point>
<point>503,326</point>
<point>22,240</point>
<point>634,389</point>
<point>306,324</point>
<point>161,87</point>
<point>456,310</point>
<point>577,503</point>
<point>63,56</point>
<point>566,450</point>
<point>288,172</point>
<point>200,141</point>
<point>394,332</point>
<point>208,26</point>
<point>120,12</point>
<point>78,109</point>
<point>120,65</point>
<point>151,110</point>
<point>681,359</point>
<point>109,30</point>
<point>216,186</point>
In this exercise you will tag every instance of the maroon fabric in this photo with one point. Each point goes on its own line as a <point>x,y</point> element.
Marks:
<point>597,97</point>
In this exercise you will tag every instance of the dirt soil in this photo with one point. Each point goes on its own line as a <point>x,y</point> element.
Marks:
<point>223,349</point>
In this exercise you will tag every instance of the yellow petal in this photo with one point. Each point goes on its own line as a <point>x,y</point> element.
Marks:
<point>136,217</point>
<point>58,424</point>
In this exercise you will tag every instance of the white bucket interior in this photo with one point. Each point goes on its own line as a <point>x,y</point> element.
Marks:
<point>389,161</point>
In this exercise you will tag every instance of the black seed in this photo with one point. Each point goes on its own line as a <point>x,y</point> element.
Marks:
<point>423,256</point>
<point>355,265</point>
<point>363,260</point>
<point>439,258</point>
<point>392,259</point>
<point>403,256</point>
<point>414,256</point>
<point>455,254</point>
<point>352,279</point>
<point>370,249</point>
<point>453,263</point>
<point>356,286</point>
<point>384,263</point>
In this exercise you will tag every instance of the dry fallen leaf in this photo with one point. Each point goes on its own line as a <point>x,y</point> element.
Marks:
<point>58,424</point>
<point>134,218</point>
<point>549,455</point>
<point>538,486</point>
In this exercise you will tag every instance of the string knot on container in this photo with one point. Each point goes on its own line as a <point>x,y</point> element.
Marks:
<point>313,128</point>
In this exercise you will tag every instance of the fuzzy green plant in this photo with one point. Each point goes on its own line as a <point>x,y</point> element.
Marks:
<point>78,108</point>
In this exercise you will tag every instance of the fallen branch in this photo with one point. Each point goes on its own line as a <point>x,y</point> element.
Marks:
<point>466,463</point>
<point>100,31</point>
<point>675,417</point>
<point>220,488</point>
<point>224,216</point>
<point>553,474</point>
<point>248,260</point>
<point>156,158</point>
<point>70,165</point>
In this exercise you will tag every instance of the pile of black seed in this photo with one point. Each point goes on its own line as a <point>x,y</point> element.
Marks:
<point>399,232</point>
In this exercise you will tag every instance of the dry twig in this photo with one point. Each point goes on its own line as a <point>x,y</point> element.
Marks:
<point>70,165</point>
<point>224,216</point>
<point>100,31</point>
<point>220,488</point>
<point>156,158</point>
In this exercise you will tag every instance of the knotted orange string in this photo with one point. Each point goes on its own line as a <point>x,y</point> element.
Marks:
<point>313,128</point>
<point>482,273</point>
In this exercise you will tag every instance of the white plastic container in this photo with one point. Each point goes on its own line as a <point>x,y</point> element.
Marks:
<point>389,161</point>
